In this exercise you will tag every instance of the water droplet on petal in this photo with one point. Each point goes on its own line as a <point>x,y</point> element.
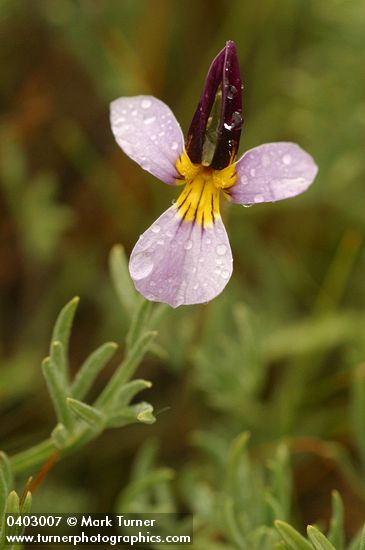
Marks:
<point>225,274</point>
<point>134,112</point>
<point>244,179</point>
<point>152,283</point>
<point>195,287</point>
<point>174,145</point>
<point>146,103</point>
<point>259,198</point>
<point>232,90</point>
<point>286,159</point>
<point>149,120</point>
<point>221,249</point>
<point>155,228</point>
<point>201,259</point>
<point>188,245</point>
<point>253,172</point>
<point>160,242</point>
<point>140,266</point>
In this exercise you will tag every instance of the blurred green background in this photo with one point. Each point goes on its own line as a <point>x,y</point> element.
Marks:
<point>281,353</point>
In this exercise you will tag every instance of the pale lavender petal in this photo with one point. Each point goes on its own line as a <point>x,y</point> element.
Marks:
<point>181,263</point>
<point>272,172</point>
<point>147,131</point>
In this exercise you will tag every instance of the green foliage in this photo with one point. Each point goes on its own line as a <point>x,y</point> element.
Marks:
<point>280,354</point>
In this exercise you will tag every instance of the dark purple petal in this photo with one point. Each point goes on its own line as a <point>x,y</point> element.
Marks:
<point>272,172</point>
<point>147,131</point>
<point>230,127</point>
<point>196,133</point>
<point>181,263</point>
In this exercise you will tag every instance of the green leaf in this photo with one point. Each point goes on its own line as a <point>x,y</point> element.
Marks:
<point>58,392</point>
<point>27,503</point>
<point>234,457</point>
<point>124,372</point>
<point>92,416</point>
<point>139,321</point>
<point>336,531</point>
<point>129,390</point>
<point>58,357</point>
<point>142,485</point>
<point>233,530</point>
<point>122,282</point>
<point>142,412</point>
<point>280,493</point>
<point>319,541</point>
<point>362,539</point>
<point>60,436</point>
<point>293,539</point>
<point>62,330</point>
<point>91,368</point>
<point>5,468</point>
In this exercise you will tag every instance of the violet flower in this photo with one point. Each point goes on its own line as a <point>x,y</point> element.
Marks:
<point>185,256</point>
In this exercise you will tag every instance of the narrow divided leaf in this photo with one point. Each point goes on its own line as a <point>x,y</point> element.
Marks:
<point>319,541</point>
<point>141,485</point>
<point>5,468</point>
<point>142,412</point>
<point>58,357</point>
<point>92,416</point>
<point>125,371</point>
<point>60,436</point>
<point>123,285</point>
<point>129,390</point>
<point>62,328</point>
<point>58,391</point>
<point>232,526</point>
<point>138,323</point>
<point>293,539</point>
<point>27,503</point>
<point>336,532</point>
<point>91,368</point>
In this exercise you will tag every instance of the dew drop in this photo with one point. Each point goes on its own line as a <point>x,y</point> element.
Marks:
<point>201,259</point>
<point>253,172</point>
<point>221,249</point>
<point>219,261</point>
<point>152,283</point>
<point>232,90</point>
<point>259,198</point>
<point>188,245</point>
<point>149,120</point>
<point>286,159</point>
<point>160,242</point>
<point>225,274</point>
<point>244,179</point>
<point>174,145</point>
<point>208,241</point>
<point>141,266</point>
<point>195,287</point>
<point>217,271</point>
<point>134,112</point>
<point>155,228</point>
<point>146,103</point>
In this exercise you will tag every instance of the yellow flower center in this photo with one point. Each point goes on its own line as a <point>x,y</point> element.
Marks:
<point>200,199</point>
